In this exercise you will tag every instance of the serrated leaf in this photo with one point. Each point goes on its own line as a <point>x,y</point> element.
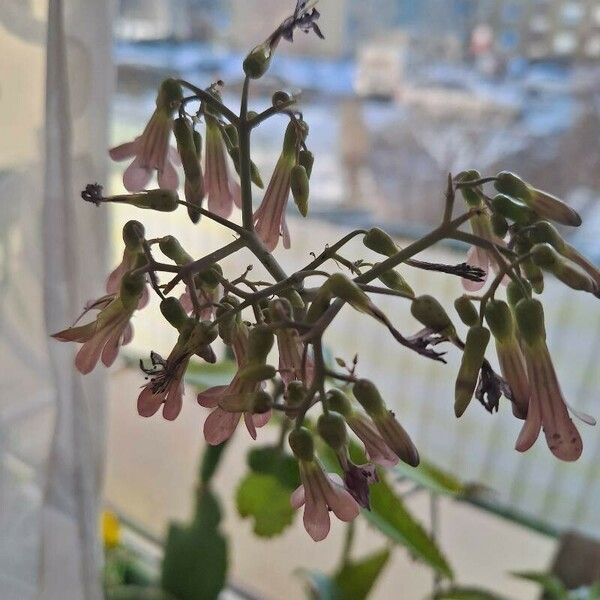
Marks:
<point>195,559</point>
<point>466,593</point>
<point>390,516</point>
<point>552,585</point>
<point>263,498</point>
<point>431,477</point>
<point>270,460</point>
<point>356,578</point>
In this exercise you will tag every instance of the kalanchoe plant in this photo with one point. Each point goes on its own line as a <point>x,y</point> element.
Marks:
<point>512,239</point>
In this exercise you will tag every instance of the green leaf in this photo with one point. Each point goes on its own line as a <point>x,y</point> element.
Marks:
<point>134,592</point>
<point>356,578</point>
<point>205,375</point>
<point>320,586</point>
<point>210,461</point>
<point>552,585</point>
<point>263,498</point>
<point>432,478</point>
<point>195,561</point>
<point>270,460</point>
<point>389,515</point>
<point>466,593</point>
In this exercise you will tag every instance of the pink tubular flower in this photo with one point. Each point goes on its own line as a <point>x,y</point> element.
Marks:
<point>229,401</point>
<point>111,329</point>
<point>547,407</point>
<point>319,493</point>
<point>269,218</point>
<point>221,188</point>
<point>207,298</point>
<point>151,150</point>
<point>128,263</point>
<point>292,364</point>
<point>375,447</point>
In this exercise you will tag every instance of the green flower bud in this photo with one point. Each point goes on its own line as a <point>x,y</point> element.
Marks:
<point>543,231</point>
<point>257,63</point>
<point>532,272</point>
<point>257,372</point>
<point>368,397</point>
<point>300,188</point>
<point>342,287</point>
<point>131,289</point>
<point>318,306</point>
<point>339,402</point>
<point>530,320</point>
<point>210,277</point>
<point>470,194</point>
<point>332,428</point>
<point>544,255</point>
<point>512,185</point>
<point>428,311</point>
<point>393,280</point>
<point>295,394</point>
<point>173,312</point>
<point>226,326</point>
<point>161,200</point>
<point>171,248</point>
<point>260,342</point>
<point>570,274</point>
<point>197,143</point>
<point>514,292</point>
<point>302,444</point>
<point>466,311</point>
<point>476,343</point>
<point>133,235</point>
<point>255,176</point>
<point>513,209</point>
<point>280,97</point>
<point>306,159</point>
<point>184,136</point>
<point>260,403</point>
<point>499,225</point>
<point>499,318</point>
<point>203,334</point>
<point>169,94</point>
<point>295,299</point>
<point>379,241</point>
<point>231,133</point>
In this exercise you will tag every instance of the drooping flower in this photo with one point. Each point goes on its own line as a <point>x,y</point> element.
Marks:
<point>319,492</point>
<point>547,407</point>
<point>231,401</point>
<point>151,150</point>
<point>111,329</point>
<point>221,188</point>
<point>165,387</point>
<point>269,218</point>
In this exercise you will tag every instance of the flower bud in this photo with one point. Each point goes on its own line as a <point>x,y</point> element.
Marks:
<point>379,241</point>
<point>255,176</point>
<point>280,97</point>
<point>184,136</point>
<point>261,402</point>
<point>512,185</point>
<point>476,343</point>
<point>256,63</point>
<point>302,444</point>
<point>197,143</point>
<point>530,320</point>
<point>231,133</point>
<point>210,277</point>
<point>428,311</point>
<point>393,280</point>
<point>306,159</point>
<point>532,272</point>
<point>294,298</point>
<point>280,308</point>
<point>260,342</point>
<point>339,402</point>
<point>396,437</point>
<point>368,397</point>
<point>169,94</point>
<point>513,209</point>
<point>543,231</point>
<point>300,188</point>
<point>295,394</point>
<point>499,225</point>
<point>318,306</point>
<point>332,428</point>
<point>466,311</point>
<point>470,194</point>
<point>544,255</point>
<point>342,287</point>
<point>227,325</point>
<point>499,318</point>
<point>173,312</point>
<point>133,235</point>
<point>203,334</point>
<point>171,248</point>
<point>131,289</point>
<point>515,292</point>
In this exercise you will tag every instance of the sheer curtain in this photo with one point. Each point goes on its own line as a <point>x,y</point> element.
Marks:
<point>55,88</point>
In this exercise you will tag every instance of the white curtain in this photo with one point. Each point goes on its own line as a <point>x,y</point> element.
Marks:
<point>56,80</point>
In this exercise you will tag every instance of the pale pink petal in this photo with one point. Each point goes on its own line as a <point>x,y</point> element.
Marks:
<point>113,282</point>
<point>168,178</point>
<point>343,505</point>
<point>316,513</point>
<point>260,420</point>
<point>219,426</point>
<point>212,396</point>
<point>531,427</point>
<point>186,302</point>
<point>173,401</point>
<point>297,497</point>
<point>173,156</point>
<point>127,334</point>
<point>476,257</point>
<point>124,151</point>
<point>236,192</point>
<point>89,354</point>
<point>111,348</point>
<point>250,425</point>
<point>148,402</point>
<point>287,242</point>
<point>76,334</point>
<point>136,177</point>
<point>144,298</point>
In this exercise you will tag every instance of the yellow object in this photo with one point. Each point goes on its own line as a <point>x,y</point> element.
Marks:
<point>111,529</point>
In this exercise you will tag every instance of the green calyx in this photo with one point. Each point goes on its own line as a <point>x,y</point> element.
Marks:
<point>512,185</point>
<point>545,232</point>
<point>515,292</point>
<point>530,321</point>
<point>513,209</point>
<point>340,286</point>
<point>368,397</point>
<point>300,188</point>
<point>302,444</point>
<point>379,241</point>
<point>170,93</point>
<point>499,318</point>
<point>171,248</point>
<point>173,312</point>
<point>131,289</point>
<point>466,311</point>
<point>260,402</point>
<point>332,428</point>
<point>295,394</point>
<point>476,344</point>
<point>306,159</point>
<point>257,62</point>
<point>428,311</point>
<point>394,281</point>
<point>260,342</point>
<point>133,235</point>
<point>338,401</point>
<point>471,195</point>
<point>160,200</point>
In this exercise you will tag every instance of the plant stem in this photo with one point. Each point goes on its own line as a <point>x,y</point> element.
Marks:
<point>211,101</point>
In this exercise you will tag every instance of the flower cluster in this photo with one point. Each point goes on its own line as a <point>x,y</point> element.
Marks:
<point>512,234</point>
